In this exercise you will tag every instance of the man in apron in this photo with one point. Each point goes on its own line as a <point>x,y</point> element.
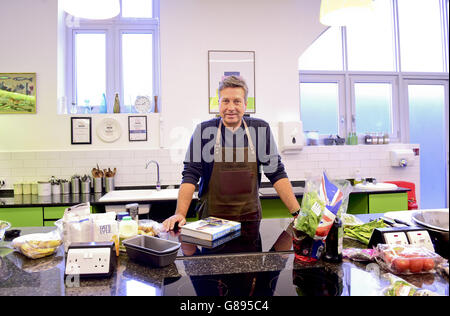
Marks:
<point>228,170</point>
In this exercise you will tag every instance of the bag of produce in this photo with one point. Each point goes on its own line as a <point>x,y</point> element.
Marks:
<point>36,246</point>
<point>322,202</point>
<point>363,232</point>
<point>407,259</point>
<point>400,287</point>
<point>76,225</point>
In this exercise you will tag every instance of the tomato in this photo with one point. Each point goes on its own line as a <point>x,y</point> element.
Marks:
<point>415,265</point>
<point>401,264</point>
<point>388,257</point>
<point>428,264</point>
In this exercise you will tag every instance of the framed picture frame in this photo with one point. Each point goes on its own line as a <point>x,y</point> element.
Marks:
<point>81,130</point>
<point>18,93</point>
<point>137,128</point>
<point>223,63</point>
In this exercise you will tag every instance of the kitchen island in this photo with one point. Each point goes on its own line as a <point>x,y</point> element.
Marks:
<point>270,270</point>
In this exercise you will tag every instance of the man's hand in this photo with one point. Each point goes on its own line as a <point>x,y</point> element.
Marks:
<point>169,223</point>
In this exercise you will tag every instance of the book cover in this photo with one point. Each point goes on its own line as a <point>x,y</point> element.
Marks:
<point>210,244</point>
<point>210,228</point>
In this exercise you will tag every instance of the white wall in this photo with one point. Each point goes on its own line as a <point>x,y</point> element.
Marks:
<point>278,32</point>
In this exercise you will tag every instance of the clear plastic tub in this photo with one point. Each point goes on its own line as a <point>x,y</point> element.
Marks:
<point>151,250</point>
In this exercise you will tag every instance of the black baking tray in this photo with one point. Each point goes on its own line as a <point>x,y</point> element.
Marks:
<point>150,250</point>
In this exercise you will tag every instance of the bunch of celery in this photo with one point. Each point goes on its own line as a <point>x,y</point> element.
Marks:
<point>363,232</point>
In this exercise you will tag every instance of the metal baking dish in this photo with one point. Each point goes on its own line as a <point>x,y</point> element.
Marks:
<point>151,250</point>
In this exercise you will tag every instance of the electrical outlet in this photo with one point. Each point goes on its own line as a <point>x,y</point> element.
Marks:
<point>90,259</point>
<point>397,238</point>
<point>420,238</point>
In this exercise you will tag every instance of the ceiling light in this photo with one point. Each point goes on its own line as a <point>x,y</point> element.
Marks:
<point>345,12</point>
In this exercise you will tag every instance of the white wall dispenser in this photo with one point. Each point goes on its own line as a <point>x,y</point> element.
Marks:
<point>402,157</point>
<point>291,138</point>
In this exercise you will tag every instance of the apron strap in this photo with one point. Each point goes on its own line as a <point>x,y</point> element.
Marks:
<point>218,145</point>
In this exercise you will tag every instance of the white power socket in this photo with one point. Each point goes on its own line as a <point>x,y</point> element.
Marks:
<point>420,238</point>
<point>89,259</point>
<point>396,238</point>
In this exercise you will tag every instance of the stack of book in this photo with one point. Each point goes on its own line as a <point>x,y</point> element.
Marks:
<point>210,230</point>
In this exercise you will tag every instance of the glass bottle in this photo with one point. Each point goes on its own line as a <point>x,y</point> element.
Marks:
<point>334,242</point>
<point>116,108</point>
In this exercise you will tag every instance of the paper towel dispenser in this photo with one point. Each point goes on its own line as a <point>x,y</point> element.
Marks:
<point>402,157</point>
<point>290,136</point>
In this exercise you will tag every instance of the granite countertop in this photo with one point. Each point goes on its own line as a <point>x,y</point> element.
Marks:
<point>22,276</point>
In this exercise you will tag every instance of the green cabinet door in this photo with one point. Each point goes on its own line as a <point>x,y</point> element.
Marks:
<point>275,208</point>
<point>53,213</point>
<point>388,202</point>
<point>22,217</point>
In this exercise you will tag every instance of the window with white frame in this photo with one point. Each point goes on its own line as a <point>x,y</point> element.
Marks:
<point>351,77</point>
<point>113,57</point>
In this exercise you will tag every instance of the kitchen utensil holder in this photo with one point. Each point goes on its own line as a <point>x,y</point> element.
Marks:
<point>85,187</point>
<point>98,185</point>
<point>56,189</point>
<point>44,189</point>
<point>109,184</point>
<point>75,185</point>
<point>65,187</point>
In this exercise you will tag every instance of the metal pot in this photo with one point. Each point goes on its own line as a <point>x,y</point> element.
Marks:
<point>436,223</point>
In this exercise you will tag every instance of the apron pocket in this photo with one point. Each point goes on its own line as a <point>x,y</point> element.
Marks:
<point>235,182</point>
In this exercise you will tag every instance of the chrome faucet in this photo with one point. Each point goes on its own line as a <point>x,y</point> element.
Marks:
<point>158,184</point>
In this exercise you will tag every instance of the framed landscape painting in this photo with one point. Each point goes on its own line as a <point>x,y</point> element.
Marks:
<point>227,63</point>
<point>18,93</point>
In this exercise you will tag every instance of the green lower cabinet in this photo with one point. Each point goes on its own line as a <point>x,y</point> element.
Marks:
<point>23,217</point>
<point>275,208</point>
<point>388,202</point>
<point>53,213</point>
<point>358,204</point>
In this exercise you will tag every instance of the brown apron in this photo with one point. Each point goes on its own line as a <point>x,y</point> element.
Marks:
<point>233,191</point>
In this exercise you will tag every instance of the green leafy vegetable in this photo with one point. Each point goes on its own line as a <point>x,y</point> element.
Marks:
<point>363,232</point>
<point>307,220</point>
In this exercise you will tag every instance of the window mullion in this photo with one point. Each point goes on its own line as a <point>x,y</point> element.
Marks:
<point>396,30</point>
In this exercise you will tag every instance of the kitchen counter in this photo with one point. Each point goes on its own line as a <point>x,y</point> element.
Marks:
<point>277,271</point>
<point>8,199</point>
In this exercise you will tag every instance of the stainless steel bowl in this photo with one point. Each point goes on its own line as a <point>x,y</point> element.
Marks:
<point>436,223</point>
<point>434,219</point>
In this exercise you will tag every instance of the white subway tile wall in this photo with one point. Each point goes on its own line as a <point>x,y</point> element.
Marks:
<point>339,162</point>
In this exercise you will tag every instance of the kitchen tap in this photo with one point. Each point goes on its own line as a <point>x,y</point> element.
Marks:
<point>158,184</point>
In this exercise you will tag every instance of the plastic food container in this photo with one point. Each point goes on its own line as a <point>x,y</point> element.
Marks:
<point>407,259</point>
<point>3,227</point>
<point>153,251</point>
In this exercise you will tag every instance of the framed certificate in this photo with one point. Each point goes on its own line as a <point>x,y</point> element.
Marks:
<point>137,128</point>
<point>81,130</point>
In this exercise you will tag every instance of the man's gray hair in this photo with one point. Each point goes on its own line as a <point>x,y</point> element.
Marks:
<point>234,82</point>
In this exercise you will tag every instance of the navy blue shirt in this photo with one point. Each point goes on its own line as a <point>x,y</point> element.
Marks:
<point>199,160</point>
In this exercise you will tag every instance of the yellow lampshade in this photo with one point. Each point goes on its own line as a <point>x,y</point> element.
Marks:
<point>91,9</point>
<point>344,12</point>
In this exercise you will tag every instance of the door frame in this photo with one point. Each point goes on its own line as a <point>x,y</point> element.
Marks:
<point>404,112</point>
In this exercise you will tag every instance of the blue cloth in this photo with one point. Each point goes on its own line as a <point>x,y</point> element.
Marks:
<point>198,163</point>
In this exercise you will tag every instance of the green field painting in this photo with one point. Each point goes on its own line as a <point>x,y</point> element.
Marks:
<point>17,93</point>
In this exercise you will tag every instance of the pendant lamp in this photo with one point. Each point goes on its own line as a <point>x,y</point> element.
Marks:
<point>92,9</point>
<point>344,12</point>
